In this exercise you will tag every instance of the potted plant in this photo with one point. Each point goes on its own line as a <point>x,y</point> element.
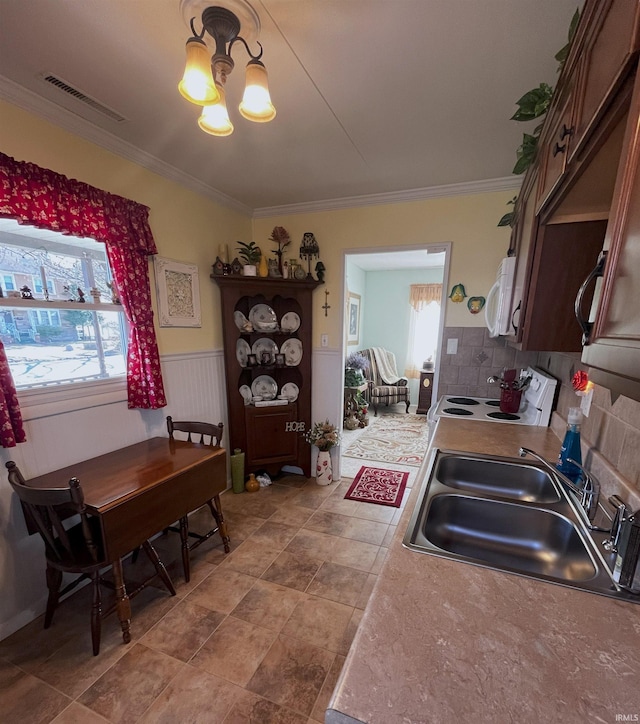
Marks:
<point>324,435</point>
<point>250,254</point>
<point>356,366</point>
<point>281,237</point>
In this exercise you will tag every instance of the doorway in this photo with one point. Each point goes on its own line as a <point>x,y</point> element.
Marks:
<point>377,289</point>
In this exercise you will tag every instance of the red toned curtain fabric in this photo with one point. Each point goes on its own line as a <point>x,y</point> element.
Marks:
<point>11,428</point>
<point>40,197</point>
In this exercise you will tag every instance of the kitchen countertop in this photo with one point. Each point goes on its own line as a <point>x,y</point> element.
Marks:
<point>444,641</point>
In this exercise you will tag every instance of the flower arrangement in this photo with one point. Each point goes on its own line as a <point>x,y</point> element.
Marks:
<point>356,366</point>
<point>324,435</point>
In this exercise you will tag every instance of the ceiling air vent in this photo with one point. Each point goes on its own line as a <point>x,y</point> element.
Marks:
<point>82,97</point>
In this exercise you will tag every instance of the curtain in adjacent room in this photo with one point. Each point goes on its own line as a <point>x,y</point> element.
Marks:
<point>40,197</point>
<point>424,301</point>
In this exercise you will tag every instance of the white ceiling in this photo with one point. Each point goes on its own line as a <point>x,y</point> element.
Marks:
<point>373,96</point>
<point>399,260</point>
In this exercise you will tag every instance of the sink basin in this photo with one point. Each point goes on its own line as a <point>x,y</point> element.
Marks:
<point>497,477</point>
<point>509,536</point>
<point>509,515</point>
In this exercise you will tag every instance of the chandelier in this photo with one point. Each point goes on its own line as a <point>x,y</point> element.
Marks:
<point>205,75</point>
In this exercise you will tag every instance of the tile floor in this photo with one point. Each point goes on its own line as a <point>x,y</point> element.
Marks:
<point>258,635</point>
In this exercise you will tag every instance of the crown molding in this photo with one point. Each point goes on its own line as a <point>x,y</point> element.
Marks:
<point>69,121</point>
<point>506,183</point>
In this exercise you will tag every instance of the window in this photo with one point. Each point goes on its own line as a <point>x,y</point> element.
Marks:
<point>73,335</point>
<point>424,300</point>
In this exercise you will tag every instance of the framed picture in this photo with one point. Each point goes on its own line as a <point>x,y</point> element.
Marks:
<point>178,292</point>
<point>353,318</point>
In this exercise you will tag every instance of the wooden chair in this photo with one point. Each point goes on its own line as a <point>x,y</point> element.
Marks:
<point>206,434</point>
<point>76,550</point>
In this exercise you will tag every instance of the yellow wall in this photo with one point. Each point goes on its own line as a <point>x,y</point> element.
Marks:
<point>468,222</point>
<point>189,227</point>
<point>186,226</point>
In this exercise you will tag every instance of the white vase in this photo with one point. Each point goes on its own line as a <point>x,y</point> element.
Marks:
<point>324,473</point>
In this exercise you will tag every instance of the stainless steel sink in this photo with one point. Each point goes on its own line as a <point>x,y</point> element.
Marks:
<point>509,515</point>
<point>497,477</point>
<point>509,536</point>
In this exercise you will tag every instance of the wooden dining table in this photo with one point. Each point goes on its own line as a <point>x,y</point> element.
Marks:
<point>138,491</point>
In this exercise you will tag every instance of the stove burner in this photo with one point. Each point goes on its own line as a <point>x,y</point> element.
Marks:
<point>493,403</point>
<point>503,416</point>
<point>456,411</point>
<point>462,401</point>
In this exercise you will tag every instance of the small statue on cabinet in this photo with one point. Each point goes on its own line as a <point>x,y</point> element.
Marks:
<point>320,269</point>
<point>218,267</point>
<point>274,270</point>
<point>25,292</point>
<point>236,267</point>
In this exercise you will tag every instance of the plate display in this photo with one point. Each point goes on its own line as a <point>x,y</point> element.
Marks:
<point>265,346</point>
<point>290,391</point>
<point>245,391</point>
<point>263,318</point>
<point>242,352</point>
<point>292,351</point>
<point>265,387</point>
<point>290,322</point>
<point>242,323</point>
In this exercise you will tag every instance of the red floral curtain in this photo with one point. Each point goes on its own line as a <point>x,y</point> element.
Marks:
<point>40,197</point>
<point>11,429</point>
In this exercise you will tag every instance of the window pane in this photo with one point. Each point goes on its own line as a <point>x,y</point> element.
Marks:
<point>83,345</point>
<point>46,342</point>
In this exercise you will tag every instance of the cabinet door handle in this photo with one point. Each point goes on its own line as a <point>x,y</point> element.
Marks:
<point>596,272</point>
<point>513,324</point>
<point>566,131</point>
<point>559,149</point>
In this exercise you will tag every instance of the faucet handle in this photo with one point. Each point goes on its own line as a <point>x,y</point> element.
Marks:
<point>616,526</point>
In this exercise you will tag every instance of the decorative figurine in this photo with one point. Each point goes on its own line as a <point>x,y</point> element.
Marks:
<point>95,293</point>
<point>25,292</point>
<point>309,249</point>
<point>66,290</point>
<point>320,269</point>
<point>285,269</point>
<point>115,298</point>
<point>80,298</point>
<point>236,267</point>
<point>274,269</point>
<point>218,267</point>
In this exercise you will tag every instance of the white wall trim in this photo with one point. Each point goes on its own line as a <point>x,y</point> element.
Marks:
<point>506,183</point>
<point>69,121</point>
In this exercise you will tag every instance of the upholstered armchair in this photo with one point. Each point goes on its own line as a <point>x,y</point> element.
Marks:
<point>385,385</point>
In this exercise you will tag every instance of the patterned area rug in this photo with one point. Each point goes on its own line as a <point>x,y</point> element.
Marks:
<point>401,439</point>
<point>374,485</point>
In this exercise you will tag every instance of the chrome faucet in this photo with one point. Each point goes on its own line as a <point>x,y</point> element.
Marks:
<point>587,495</point>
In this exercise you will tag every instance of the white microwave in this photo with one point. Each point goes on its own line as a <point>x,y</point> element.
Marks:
<point>497,310</point>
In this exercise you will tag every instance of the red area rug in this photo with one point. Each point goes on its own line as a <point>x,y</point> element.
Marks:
<point>374,485</point>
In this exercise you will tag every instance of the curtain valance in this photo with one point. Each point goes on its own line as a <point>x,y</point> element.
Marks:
<point>422,294</point>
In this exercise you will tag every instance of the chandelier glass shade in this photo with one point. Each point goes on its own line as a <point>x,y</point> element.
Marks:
<point>205,74</point>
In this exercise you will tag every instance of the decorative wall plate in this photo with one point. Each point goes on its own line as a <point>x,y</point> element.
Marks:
<point>245,391</point>
<point>292,350</point>
<point>242,352</point>
<point>290,322</point>
<point>265,387</point>
<point>263,346</point>
<point>242,323</point>
<point>290,391</point>
<point>263,318</point>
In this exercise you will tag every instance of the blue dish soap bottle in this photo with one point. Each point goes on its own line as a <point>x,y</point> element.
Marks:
<point>571,447</point>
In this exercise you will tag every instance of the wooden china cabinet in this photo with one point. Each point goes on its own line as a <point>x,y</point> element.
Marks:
<point>263,317</point>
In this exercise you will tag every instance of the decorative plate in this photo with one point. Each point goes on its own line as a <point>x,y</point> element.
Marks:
<point>292,351</point>
<point>242,351</point>
<point>242,323</point>
<point>263,318</point>
<point>290,391</point>
<point>245,391</point>
<point>265,387</point>
<point>290,322</point>
<point>263,346</point>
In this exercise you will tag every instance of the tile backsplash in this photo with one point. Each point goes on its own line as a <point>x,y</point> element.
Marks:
<point>478,357</point>
<point>611,432</point>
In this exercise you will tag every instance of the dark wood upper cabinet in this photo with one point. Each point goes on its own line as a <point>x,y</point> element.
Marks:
<point>580,197</point>
<point>270,436</point>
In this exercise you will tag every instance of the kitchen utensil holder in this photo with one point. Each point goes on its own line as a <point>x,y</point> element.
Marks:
<point>510,400</point>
